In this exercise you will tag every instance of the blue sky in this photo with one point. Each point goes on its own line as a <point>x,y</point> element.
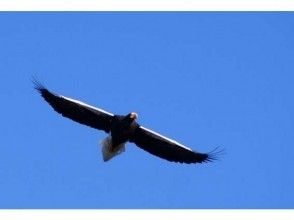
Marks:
<point>204,79</point>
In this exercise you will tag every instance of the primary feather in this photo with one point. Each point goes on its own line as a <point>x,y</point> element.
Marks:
<point>76,110</point>
<point>122,128</point>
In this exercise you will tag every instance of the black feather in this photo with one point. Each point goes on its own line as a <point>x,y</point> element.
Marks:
<point>75,110</point>
<point>215,154</point>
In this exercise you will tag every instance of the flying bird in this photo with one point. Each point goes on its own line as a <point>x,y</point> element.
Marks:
<point>122,129</point>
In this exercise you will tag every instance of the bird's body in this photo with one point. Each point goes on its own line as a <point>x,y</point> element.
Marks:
<point>122,129</point>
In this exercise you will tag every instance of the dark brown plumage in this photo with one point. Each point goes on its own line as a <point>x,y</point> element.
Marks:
<point>121,129</point>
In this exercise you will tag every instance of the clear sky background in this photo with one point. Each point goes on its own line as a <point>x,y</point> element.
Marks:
<point>204,79</point>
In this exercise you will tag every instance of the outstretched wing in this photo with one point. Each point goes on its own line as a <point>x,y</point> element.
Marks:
<point>76,110</point>
<point>168,149</point>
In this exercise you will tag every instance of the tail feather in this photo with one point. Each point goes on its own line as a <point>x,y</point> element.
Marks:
<point>107,149</point>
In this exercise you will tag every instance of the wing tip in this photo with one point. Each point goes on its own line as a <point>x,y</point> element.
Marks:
<point>38,85</point>
<point>214,155</point>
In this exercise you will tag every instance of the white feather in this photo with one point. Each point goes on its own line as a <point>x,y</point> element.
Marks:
<point>107,151</point>
<point>86,105</point>
<point>166,138</point>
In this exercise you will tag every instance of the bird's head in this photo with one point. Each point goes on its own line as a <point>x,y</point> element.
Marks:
<point>133,115</point>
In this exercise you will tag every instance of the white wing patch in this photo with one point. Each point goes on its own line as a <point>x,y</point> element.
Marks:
<point>86,105</point>
<point>165,138</point>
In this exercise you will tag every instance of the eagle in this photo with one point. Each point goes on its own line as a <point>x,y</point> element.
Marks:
<point>122,129</point>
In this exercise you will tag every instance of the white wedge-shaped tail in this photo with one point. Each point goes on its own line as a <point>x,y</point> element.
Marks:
<point>107,149</point>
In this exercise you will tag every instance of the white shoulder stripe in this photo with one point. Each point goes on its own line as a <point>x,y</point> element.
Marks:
<point>167,139</point>
<point>86,105</point>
